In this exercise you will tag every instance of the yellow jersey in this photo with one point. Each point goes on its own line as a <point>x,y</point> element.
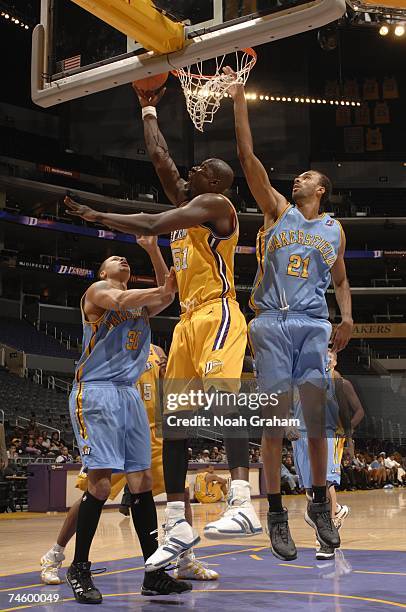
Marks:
<point>204,264</point>
<point>148,382</point>
<point>207,492</point>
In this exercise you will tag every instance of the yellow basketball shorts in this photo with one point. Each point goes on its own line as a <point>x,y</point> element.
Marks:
<point>339,443</point>
<point>118,481</point>
<point>208,348</point>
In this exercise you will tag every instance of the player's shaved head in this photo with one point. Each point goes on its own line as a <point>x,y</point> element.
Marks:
<point>101,269</point>
<point>221,172</point>
<point>114,267</point>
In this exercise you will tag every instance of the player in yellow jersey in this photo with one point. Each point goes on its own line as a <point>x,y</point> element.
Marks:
<point>210,487</point>
<point>147,385</point>
<point>209,342</point>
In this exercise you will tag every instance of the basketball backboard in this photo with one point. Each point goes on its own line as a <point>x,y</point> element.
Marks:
<point>76,54</point>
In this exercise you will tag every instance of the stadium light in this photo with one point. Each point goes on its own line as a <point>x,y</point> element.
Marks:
<point>399,30</point>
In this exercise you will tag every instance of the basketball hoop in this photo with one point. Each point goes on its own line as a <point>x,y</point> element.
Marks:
<point>204,93</point>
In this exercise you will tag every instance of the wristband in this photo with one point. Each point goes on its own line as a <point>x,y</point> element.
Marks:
<point>149,110</point>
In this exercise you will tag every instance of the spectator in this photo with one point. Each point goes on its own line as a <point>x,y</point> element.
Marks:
<point>205,457</point>
<point>55,442</point>
<point>213,456</point>
<point>19,446</point>
<point>39,445</point>
<point>348,481</point>
<point>46,440</point>
<point>256,456</point>
<point>392,467</point>
<point>64,457</point>
<point>401,470</point>
<point>360,471</point>
<point>377,472</point>
<point>12,452</point>
<point>222,455</point>
<point>30,449</point>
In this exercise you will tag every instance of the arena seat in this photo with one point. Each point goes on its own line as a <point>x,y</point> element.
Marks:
<point>23,336</point>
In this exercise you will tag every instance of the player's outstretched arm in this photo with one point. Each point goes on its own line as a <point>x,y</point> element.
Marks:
<point>150,245</point>
<point>165,167</point>
<point>270,201</point>
<point>204,208</point>
<point>343,331</point>
<point>102,295</point>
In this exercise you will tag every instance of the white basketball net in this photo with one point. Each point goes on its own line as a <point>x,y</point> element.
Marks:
<point>204,93</point>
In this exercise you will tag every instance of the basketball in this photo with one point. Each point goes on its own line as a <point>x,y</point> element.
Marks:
<point>152,83</point>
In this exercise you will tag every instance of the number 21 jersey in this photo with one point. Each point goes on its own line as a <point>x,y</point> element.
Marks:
<point>295,256</point>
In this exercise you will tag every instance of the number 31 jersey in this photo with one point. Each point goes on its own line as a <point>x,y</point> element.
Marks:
<point>204,264</point>
<point>295,256</point>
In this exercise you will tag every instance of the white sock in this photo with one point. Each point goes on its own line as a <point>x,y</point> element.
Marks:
<point>175,511</point>
<point>57,548</point>
<point>241,489</point>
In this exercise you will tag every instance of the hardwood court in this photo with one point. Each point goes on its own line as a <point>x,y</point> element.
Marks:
<point>368,575</point>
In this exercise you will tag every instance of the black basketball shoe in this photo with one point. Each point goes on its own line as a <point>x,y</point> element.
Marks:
<point>324,552</point>
<point>282,545</point>
<point>318,516</point>
<point>160,583</point>
<point>80,579</point>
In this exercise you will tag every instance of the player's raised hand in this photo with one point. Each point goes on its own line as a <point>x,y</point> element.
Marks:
<point>148,243</point>
<point>149,98</point>
<point>237,89</point>
<point>80,210</point>
<point>342,335</point>
<point>170,286</point>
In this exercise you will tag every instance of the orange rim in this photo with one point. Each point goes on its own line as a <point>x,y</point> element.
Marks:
<point>251,64</point>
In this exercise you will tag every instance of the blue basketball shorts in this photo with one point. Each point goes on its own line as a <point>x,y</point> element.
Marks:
<point>302,462</point>
<point>289,350</point>
<point>111,426</point>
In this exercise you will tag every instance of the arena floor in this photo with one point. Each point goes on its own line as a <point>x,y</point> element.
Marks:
<point>368,574</point>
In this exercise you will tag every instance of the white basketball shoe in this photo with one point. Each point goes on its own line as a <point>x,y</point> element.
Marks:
<point>239,518</point>
<point>178,537</point>
<point>190,568</point>
<point>341,514</point>
<point>51,563</point>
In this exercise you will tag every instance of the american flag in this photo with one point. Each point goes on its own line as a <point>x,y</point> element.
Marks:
<point>70,63</point>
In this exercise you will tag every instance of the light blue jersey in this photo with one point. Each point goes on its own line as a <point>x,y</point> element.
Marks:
<point>295,257</point>
<point>115,347</point>
<point>108,416</point>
